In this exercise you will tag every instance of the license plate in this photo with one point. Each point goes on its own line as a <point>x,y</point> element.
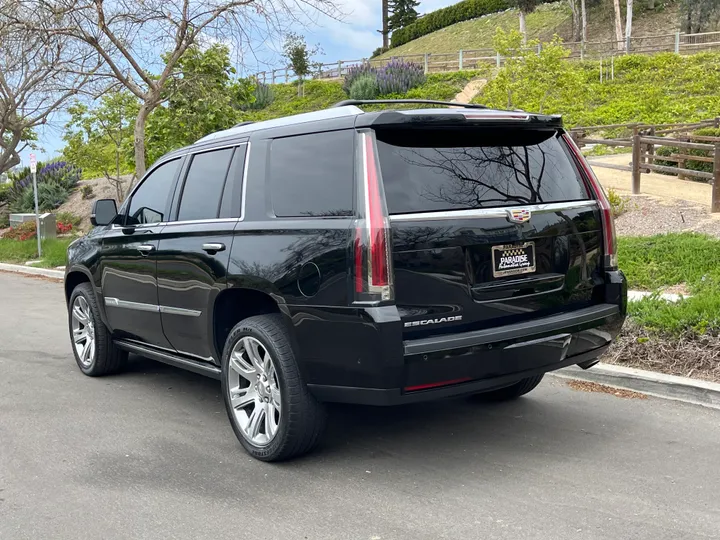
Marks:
<point>513,259</point>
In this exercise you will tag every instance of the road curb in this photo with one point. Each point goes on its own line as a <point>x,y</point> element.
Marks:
<point>32,271</point>
<point>683,389</point>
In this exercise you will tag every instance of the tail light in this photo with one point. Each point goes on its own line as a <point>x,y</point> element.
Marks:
<point>373,278</point>
<point>608,222</point>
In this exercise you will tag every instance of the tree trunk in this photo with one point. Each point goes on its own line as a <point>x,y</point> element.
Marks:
<point>576,29</point>
<point>385,31</point>
<point>618,26</point>
<point>523,28</point>
<point>583,12</point>
<point>139,143</point>
<point>628,25</point>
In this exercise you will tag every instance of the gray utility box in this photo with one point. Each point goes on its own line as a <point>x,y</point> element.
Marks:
<point>48,224</point>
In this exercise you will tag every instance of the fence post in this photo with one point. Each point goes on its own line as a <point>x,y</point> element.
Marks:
<point>582,50</point>
<point>651,147</point>
<point>717,122</point>
<point>716,180</point>
<point>273,76</point>
<point>539,48</point>
<point>460,60</point>
<point>497,60</point>
<point>287,75</point>
<point>636,161</point>
<point>677,42</point>
<point>339,68</point>
<point>426,62</point>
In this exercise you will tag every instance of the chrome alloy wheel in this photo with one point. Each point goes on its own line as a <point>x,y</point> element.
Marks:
<point>83,331</point>
<point>254,391</point>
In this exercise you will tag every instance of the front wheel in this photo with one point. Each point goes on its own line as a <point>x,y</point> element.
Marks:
<point>513,391</point>
<point>94,351</point>
<point>270,409</point>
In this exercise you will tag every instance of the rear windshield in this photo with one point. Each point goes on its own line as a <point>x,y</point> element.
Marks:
<point>430,171</point>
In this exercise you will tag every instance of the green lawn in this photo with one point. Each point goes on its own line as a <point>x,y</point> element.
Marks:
<point>685,258</point>
<point>54,250</point>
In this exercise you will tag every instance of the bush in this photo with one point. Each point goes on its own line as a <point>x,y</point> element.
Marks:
<point>364,87</point>
<point>398,77</point>
<point>618,203</point>
<point>61,173</point>
<point>63,228</point>
<point>379,51</point>
<point>50,196</point>
<point>4,220</point>
<point>24,231</point>
<point>55,181</point>
<point>87,192</point>
<point>264,96</point>
<point>69,217</point>
<point>355,72</point>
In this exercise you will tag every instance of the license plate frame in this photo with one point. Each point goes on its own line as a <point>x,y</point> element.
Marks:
<point>500,262</point>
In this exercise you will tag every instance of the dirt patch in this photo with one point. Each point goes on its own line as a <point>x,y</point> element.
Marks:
<point>584,386</point>
<point>648,215</point>
<point>101,189</point>
<point>472,89</point>
<point>686,356</point>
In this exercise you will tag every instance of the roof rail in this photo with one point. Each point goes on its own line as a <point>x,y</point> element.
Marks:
<point>244,123</point>
<point>419,101</point>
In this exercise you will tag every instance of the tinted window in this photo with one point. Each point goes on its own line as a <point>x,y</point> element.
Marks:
<point>149,202</point>
<point>312,175</point>
<point>204,185</point>
<point>428,171</point>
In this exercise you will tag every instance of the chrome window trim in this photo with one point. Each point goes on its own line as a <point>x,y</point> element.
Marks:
<point>500,212</point>
<point>201,221</point>
<point>153,308</point>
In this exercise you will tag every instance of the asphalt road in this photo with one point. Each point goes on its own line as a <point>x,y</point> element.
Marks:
<point>150,454</point>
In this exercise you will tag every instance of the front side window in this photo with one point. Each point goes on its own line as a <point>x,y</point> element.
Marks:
<point>150,200</point>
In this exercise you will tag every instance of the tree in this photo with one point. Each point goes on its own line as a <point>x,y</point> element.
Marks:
<point>297,54</point>
<point>127,34</point>
<point>583,12</point>
<point>618,26</point>
<point>38,75</point>
<point>576,26</point>
<point>385,32</point>
<point>699,15</point>
<point>403,13</point>
<point>101,138</point>
<point>525,7</point>
<point>628,25</point>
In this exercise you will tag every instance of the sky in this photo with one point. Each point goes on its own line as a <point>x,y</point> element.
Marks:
<point>353,38</point>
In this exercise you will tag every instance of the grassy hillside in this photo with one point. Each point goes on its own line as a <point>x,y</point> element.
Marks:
<point>547,20</point>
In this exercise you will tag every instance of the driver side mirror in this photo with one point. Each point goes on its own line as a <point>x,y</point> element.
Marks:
<point>103,212</point>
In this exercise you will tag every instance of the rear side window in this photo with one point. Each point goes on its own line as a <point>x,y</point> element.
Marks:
<point>204,184</point>
<point>312,175</point>
<point>429,171</point>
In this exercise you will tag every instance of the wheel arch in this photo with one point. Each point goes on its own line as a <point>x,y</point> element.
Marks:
<point>74,277</point>
<point>235,304</point>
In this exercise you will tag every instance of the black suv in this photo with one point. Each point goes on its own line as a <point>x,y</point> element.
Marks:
<point>379,258</point>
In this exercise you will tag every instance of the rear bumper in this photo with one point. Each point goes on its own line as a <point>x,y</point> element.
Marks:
<point>353,355</point>
<point>397,396</point>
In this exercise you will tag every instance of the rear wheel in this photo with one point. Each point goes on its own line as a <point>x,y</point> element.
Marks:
<point>513,391</point>
<point>94,351</point>
<point>270,409</point>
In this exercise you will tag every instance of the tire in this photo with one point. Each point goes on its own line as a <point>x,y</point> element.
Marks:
<point>253,389</point>
<point>513,391</point>
<point>103,357</point>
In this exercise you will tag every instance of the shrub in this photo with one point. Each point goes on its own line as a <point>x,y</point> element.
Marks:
<point>24,231</point>
<point>398,77</point>
<point>50,196</point>
<point>4,220</point>
<point>87,192</point>
<point>264,96</point>
<point>618,203</point>
<point>364,87</point>
<point>63,228</point>
<point>379,51</point>
<point>61,173</point>
<point>69,217</point>
<point>355,72</point>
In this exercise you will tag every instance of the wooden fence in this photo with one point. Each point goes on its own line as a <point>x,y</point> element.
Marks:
<point>644,139</point>
<point>475,58</point>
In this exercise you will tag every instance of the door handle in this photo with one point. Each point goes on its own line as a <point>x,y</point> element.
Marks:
<point>145,249</point>
<point>213,248</point>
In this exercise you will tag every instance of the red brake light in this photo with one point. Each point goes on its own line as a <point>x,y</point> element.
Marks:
<point>373,271</point>
<point>608,222</point>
